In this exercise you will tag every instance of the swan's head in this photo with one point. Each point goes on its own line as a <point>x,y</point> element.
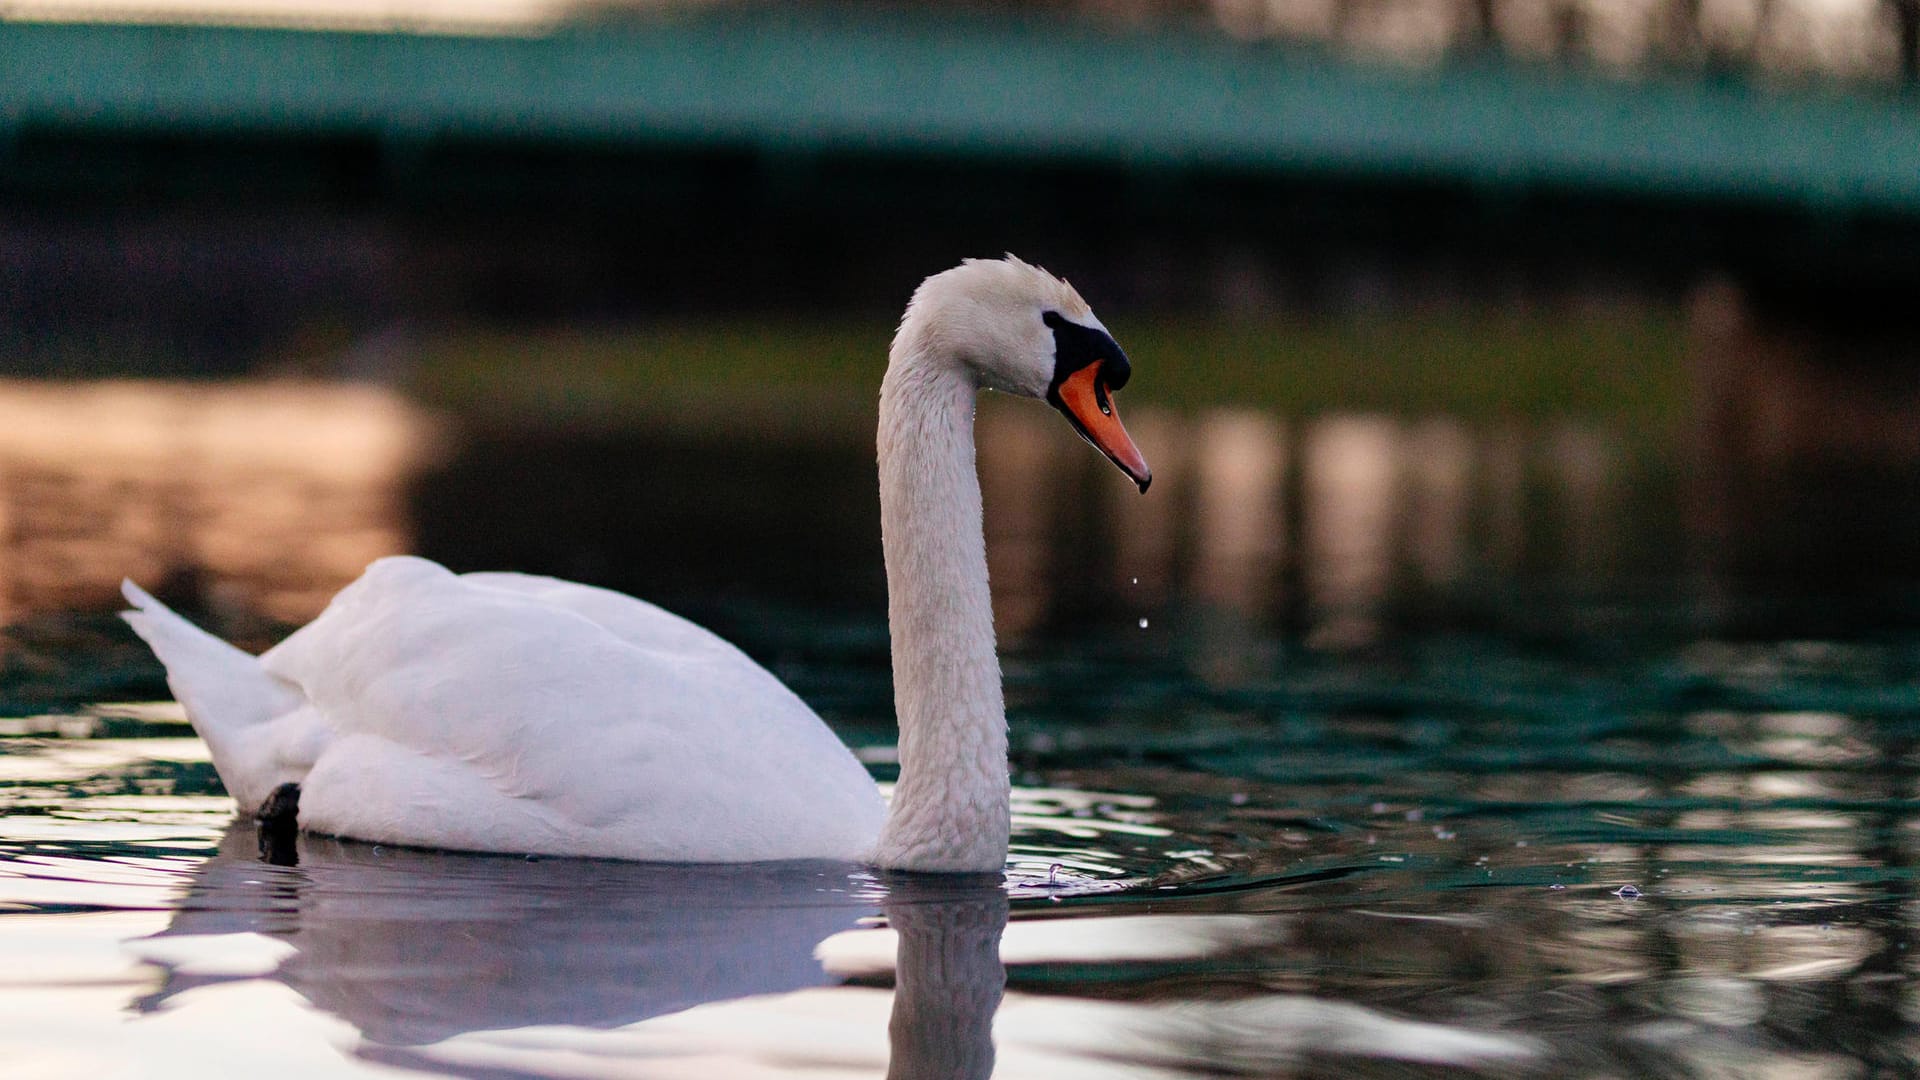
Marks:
<point>1021,330</point>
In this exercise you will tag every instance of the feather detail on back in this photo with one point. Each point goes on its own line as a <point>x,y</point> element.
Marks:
<point>506,713</point>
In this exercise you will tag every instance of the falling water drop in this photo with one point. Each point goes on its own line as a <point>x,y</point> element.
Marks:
<point>1143,624</point>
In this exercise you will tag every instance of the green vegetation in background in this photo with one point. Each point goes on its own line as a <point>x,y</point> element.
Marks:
<point>1471,366</point>
<point>1624,366</point>
<point>652,372</point>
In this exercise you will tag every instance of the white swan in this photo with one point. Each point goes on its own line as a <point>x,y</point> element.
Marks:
<point>508,713</point>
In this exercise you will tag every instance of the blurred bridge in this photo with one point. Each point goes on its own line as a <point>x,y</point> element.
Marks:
<point>1044,91</point>
<point>690,159</point>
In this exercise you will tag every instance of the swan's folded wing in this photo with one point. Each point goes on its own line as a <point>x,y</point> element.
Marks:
<point>508,686</point>
<point>630,619</point>
<point>558,714</point>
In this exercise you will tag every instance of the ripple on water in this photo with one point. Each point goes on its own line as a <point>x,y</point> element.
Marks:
<point>1693,861</point>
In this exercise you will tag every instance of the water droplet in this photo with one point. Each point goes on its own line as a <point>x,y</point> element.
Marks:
<point>1557,887</point>
<point>1136,581</point>
<point>1143,624</point>
<point>1627,892</point>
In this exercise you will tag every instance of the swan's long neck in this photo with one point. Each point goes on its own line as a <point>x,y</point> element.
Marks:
<point>950,807</point>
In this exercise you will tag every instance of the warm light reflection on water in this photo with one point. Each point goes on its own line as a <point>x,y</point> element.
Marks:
<point>1352,485</point>
<point>265,498</point>
<point>1239,461</point>
<point>1438,488</point>
<point>1385,508</point>
<point>431,16</point>
<point>277,494</point>
<point>1018,460</point>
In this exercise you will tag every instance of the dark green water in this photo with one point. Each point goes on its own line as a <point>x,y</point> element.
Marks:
<point>1358,748</point>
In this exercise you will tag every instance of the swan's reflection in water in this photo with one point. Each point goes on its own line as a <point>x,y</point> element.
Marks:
<point>948,977</point>
<point>417,950</point>
<point>492,966</point>
<point>412,947</point>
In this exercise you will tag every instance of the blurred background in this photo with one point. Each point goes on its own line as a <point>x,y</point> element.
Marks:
<point>1568,321</point>
<point>1522,632</point>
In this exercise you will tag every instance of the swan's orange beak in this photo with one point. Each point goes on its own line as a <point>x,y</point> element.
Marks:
<point>1084,398</point>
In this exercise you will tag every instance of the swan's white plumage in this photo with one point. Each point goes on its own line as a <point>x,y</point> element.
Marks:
<point>500,712</point>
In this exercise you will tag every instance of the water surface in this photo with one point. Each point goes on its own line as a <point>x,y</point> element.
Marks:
<point>1362,746</point>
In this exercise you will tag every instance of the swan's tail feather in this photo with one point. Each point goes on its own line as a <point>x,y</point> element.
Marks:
<point>223,689</point>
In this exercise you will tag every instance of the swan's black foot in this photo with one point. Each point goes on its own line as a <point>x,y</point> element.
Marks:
<point>279,821</point>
